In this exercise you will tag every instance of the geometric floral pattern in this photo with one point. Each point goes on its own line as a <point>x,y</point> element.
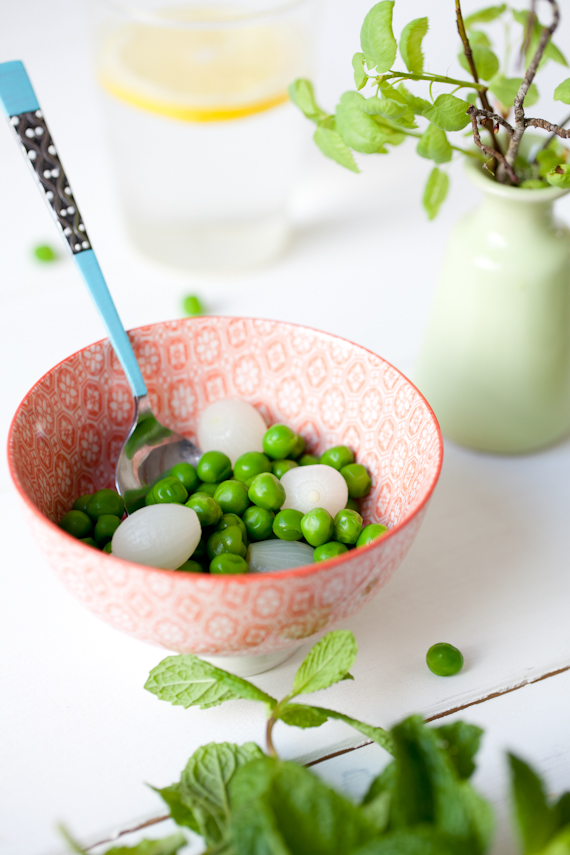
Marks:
<point>67,433</point>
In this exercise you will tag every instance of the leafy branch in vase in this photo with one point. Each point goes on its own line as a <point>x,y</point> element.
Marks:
<point>243,801</point>
<point>387,117</point>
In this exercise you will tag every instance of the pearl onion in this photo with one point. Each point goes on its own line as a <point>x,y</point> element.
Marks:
<point>269,555</point>
<point>318,486</point>
<point>231,426</point>
<point>163,535</point>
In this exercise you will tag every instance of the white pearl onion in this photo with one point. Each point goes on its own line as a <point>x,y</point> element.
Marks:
<point>318,486</point>
<point>163,536</point>
<point>269,555</point>
<point>231,426</point>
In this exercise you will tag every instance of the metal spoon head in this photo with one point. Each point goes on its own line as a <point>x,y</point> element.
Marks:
<point>148,454</point>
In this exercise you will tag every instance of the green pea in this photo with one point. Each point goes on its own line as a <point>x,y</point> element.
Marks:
<point>357,480</point>
<point>232,519</point>
<point>149,498</point>
<point>338,457</point>
<point>250,464</point>
<point>258,522</point>
<point>232,497</point>
<point>214,466</point>
<point>299,447</point>
<point>88,541</point>
<point>287,525</point>
<point>105,528</point>
<point>370,533</point>
<point>208,510</point>
<point>228,540</point>
<point>44,253</point>
<point>280,467</point>
<point>352,505</point>
<point>105,502</point>
<point>347,526</point>
<point>190,567</point>
<point>329,550</point>
<point>206,489</point>
<point>317,526</point>
<point>227,563</point>
<point>81,503</point>
<point>444,659</point>
<point>308,460</point>
<point>279,442</point>
<point>107,548</point>
<point>267,492</point>
<point>185,473</point>
<point>169,491</point>
<point>76,523</point>
<point>192,305</point>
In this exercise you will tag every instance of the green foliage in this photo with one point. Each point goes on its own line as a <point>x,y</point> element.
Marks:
<point>332,145</point>
<point>411,44</point>
<point>434,145</point>
<point>435,192</point>
<point>328,662</point>
<point>485,60</point>
<point>506,88</point>
<point>302,94</point>
<point>358,129</point>
<point>562,91</point>
<point>559,176</point>
<point>551,51</point>
<point>485,16</point>
<point>166,846</point>
<point>360,76</point>
<point>376,37</point>
<point>449,113</point>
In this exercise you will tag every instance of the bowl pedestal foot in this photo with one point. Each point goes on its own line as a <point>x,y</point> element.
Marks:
<point>247,666</point>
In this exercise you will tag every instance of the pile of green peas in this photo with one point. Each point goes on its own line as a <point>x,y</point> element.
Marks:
<point>239,505</point>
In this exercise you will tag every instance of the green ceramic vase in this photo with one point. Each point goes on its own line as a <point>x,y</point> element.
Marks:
<point>495,365</point>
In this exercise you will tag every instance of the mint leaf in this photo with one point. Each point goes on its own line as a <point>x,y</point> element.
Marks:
<point>480,814</point>
<point>377,812</point>
<point>535,818</point>
<point>300,715</point>
<point>188,681</point>
<point>562,810</point>
<point>358,129</point>
<point>166,846</point>
<point>506,88</point>
<point>559,176</point>
<point>179,811</point>
<point>411,44</point>
<point>435,192</point>
<point>559,845</point>
<point>304,816</point>
<point>332,145</point>
<point>303,715</point>
<point>302,94</point>
<point>417,841</point>
<point>377,39</point>
<point>461,741</point>
<point>484,16</point>
<point>205,780</point>
<point>360,76</point>
<point>383,783</point>
<point>330,659</point>
<point>562,92</point>
<point>434,145</point>
<point>449,113</point>
<point>486,62</point>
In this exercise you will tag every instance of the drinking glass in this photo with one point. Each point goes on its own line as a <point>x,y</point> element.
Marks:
<point>205,141</point>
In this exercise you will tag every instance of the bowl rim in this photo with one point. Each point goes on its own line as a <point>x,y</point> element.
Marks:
<point>294,572</point>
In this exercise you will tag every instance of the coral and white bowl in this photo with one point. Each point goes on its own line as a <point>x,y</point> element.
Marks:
<point>68,430</point>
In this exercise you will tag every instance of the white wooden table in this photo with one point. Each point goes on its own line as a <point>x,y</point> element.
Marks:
<point>489,571</point>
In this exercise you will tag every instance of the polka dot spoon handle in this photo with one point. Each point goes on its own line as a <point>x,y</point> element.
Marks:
<point>22,110</point>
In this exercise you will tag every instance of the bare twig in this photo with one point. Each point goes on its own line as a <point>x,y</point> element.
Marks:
<point>556,130</point>
<point>486,149</point>
<point>471,62</point>
<point>495,118</point>
<point>520,124</point>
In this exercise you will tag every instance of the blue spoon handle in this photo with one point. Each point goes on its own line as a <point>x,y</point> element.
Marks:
<point>22,110</point>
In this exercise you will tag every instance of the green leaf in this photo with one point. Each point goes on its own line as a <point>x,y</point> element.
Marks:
<point>435,192</point>
<point>548,159</point>
<point>188,681</point>
<point>559,176</point>
<point>302,94</point>
<point>562,810</point>
<point>461,741</point>
<point>416,841</point>
<point>360,76</point>
<point>411,44</point>
<point>506,88</point>
<point>304,815</point>
<point>481,816</point>
<point>485,60</point>
<point>377,39</point>
<point>301,715</point>
<point>533,184</point>
<point>449,113</point>
<point>332,145</point>
<point>400,94</point>
<point>383,783</point>
<point>478,37</point>
<point>386,107</point>
<point>377,812</point>
<point>434,145</point>
<point>535,818</point>
<point>179,811</point>
<point>358,130</point>
<point>165,846</point>
<point>205,780</point>
<point>419,106</point>
<point>484,16</point>
<point>559,845</point>
<point>329,660</point>
<point>562,92</point>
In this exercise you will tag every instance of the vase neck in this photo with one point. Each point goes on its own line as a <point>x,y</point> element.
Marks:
<point>518,214</point>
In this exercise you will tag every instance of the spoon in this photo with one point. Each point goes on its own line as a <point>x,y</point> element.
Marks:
<point>150,449</point>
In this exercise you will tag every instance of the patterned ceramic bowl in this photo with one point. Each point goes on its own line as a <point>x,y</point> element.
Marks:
<point>68,430</point>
